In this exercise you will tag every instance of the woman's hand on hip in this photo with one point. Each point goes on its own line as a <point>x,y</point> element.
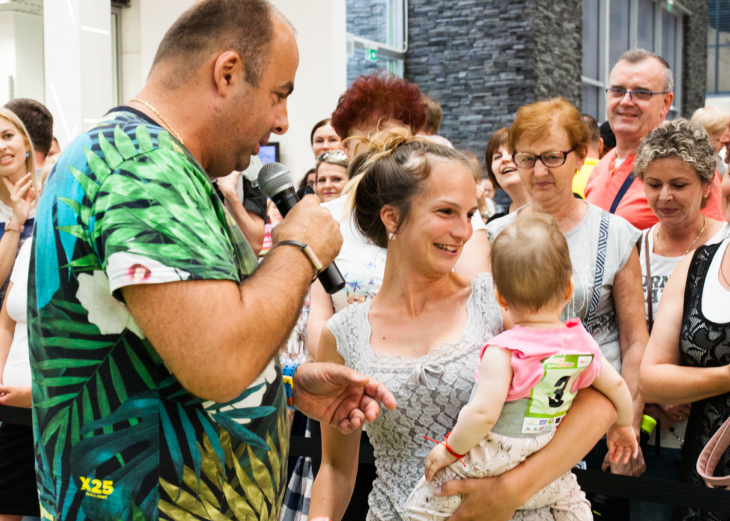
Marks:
<point>15,396</point>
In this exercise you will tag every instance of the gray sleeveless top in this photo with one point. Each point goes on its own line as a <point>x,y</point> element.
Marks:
<point>430,391</point>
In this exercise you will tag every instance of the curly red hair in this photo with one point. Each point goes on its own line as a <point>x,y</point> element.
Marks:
<point>376,96</point>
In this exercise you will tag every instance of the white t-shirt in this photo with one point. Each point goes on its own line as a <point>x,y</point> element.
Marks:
<point>583,245</point>
<point>715,298</point>
<point>361,263</point>
<point>662,267</point>
<point>17,366</point>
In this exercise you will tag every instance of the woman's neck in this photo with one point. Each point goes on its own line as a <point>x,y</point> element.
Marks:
<point>519,198</point>
<point>566,211</point>
<point>404,287</point>
<point>674,240</point>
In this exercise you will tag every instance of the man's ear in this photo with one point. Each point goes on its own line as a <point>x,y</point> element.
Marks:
<point>227,72</point>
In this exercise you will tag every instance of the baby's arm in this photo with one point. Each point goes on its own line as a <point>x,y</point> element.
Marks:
<point>621,439</point>
<point>478,417</point>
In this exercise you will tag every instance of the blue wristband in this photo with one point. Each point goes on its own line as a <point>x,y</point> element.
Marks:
<point>287,372</point>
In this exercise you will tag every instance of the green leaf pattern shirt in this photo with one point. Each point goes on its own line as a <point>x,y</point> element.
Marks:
<point>117,436</point>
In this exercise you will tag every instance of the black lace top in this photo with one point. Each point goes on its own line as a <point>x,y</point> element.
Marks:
<point>702,343</point>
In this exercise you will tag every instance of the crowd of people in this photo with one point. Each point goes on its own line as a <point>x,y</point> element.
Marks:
<point>502,321</point>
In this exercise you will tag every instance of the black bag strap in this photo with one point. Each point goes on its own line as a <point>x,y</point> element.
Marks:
<point>600,266</point>
<point>622,191</point>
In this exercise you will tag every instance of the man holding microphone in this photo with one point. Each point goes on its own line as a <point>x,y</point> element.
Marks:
<point>153,342</point>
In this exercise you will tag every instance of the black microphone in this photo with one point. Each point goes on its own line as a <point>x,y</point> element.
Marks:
<point>276,182</point>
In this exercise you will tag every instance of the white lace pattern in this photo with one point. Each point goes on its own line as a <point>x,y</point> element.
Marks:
<point>430,390</point>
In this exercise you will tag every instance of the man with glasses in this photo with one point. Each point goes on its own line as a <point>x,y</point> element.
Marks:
<point>639,97</point>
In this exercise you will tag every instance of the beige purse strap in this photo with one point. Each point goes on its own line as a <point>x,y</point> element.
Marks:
<point>649,303</point>
<point>711,455</point>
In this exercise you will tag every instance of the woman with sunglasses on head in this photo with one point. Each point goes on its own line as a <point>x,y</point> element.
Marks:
<point>331,175</point>
<point>550,143</point>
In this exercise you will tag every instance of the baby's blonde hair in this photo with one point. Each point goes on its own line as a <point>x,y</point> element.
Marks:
<point>531,262</point>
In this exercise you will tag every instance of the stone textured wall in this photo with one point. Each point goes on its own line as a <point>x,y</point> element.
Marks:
<point>694,63</point>
<point>557,30</point>
<point>475,59</point>
<point>483,59</point>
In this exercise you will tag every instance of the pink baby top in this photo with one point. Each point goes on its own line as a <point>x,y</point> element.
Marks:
<point>537,351</point>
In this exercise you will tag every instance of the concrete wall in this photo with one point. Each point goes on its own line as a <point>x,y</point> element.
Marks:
<point>78,66</point>
<point>21,56</point>
<point>321,77</point>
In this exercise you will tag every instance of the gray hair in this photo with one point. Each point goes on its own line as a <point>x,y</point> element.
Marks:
<point>640,55</point>
<point>679,139</point>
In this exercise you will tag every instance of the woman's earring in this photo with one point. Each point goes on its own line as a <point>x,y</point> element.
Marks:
<point>27,154</point>
<point>391,236</point>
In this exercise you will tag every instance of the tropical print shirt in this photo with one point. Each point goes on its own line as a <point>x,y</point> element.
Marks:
<point>117,436</point>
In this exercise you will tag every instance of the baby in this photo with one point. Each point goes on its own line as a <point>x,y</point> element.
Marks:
<point>527,379</point>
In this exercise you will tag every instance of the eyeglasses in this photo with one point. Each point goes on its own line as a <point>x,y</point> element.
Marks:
<point>641,95</point>
<point>336,155</point>
<point>549,159</point>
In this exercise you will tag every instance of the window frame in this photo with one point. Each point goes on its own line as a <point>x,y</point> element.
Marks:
<point>395,50</point>
<point>675,9</point>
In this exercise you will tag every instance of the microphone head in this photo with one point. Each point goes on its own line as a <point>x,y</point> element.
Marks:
<point>274,178</point>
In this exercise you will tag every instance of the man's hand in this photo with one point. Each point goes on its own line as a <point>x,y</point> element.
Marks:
<point>338,396</point>
<point>15,396</point>
<point>311,224</point>
<point>485,499</point>
<point>635,467</point>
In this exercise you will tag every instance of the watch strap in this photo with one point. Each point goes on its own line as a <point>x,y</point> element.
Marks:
<point>313,259</point>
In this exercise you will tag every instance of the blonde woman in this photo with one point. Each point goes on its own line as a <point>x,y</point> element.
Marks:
<point>17,170</point>
<point>18,496</point>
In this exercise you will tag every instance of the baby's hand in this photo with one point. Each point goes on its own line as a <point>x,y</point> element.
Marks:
<point>437,459</point>
<point>622,444</point>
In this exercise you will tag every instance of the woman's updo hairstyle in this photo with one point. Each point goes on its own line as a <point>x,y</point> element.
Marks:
<point>391,171</point>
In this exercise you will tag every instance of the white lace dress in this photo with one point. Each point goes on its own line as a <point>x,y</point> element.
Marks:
<point>430,391</point>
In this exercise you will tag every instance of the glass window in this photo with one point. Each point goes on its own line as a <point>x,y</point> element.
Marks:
<point>589,100</point>
<point>618,30</point>
<point>590,39</point>
<point>376,20</point>
<point>360,64</point>
<point>645,27</point>
<point>723,76</point>
<point>669,38</point>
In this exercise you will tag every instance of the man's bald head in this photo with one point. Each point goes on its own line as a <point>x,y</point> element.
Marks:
<point>244,26</point>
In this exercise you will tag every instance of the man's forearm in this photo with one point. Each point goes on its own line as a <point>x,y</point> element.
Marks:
<point>240,327</point>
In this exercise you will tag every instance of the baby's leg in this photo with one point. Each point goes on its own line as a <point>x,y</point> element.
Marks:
<point>494,456</point>
<point>564,498</point>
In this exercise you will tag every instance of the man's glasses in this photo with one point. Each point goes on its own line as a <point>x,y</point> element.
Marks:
<point>641,95</point>
<point>549,159</point>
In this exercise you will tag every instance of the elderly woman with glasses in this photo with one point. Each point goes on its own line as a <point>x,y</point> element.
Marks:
<point>550,141</point>
<point>331,175</point>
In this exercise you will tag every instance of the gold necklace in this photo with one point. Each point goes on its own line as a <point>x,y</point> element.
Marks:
<point>164,121</point>
<point>690,246</point>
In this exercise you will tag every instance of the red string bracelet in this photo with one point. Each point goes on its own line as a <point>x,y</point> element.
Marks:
<point>459,457</point>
